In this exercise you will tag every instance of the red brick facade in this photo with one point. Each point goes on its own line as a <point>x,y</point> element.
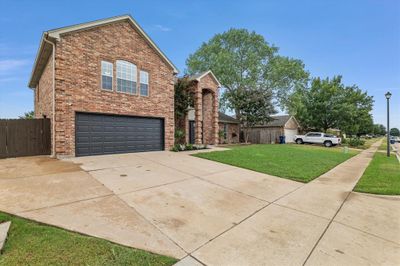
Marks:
<point>78,81</point>
<point>205,92</point>
<point>44,93</point>
<point>232,133</point>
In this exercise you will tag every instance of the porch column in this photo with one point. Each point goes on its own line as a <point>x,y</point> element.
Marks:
<point>215,117</point>
<point>198,114</point>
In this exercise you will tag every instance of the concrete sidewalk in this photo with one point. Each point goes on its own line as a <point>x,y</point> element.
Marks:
<point>309,226</point>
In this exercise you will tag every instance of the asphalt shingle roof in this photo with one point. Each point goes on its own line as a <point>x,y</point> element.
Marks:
<point>226,118</point>
<point>278,121</point>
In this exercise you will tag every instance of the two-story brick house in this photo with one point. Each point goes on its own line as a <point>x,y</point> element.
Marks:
<point>106,88</point>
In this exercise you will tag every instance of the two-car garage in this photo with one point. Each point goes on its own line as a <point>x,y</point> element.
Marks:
<point>97,134</point>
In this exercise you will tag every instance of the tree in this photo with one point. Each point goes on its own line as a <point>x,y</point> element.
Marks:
<point>379,129</point>
<point>356,118</point>
<point>328,104</point>
<point>243,60</point>
<point>320,106</point>
<point>28,115</point>
<point>255,107</point>
<point>395,132</point>
<point>183,100</point>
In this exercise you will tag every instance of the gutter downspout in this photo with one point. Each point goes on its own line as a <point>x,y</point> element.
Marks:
<point>53,124</point>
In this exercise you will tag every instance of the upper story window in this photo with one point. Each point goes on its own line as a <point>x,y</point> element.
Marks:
<point>106,75</point>
<point>126,77</point>
<point>144,83</point>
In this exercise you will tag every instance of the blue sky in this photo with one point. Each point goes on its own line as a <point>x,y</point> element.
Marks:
<point>357,39</point>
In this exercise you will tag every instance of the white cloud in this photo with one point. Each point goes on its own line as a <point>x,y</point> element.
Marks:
<point>8,65</point>
<point>162,28</point>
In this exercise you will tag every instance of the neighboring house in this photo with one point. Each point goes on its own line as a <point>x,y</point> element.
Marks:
<point>201,122</point>
<point>230,129</point>
<point>107,88</point>
<point>281,125</point>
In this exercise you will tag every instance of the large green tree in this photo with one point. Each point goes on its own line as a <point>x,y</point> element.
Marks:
<point>328,103</point>
<point>255,108</point>
<point>244,60</point>
<point>379,129</point>
<point>356,118</point>
<point>395,132</point>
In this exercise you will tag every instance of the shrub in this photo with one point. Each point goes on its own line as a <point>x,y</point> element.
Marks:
<point>354,142</point>
<point>179,135</point>
<point>189,147</point>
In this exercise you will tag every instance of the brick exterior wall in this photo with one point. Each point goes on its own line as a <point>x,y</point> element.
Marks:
<point>43,95</point>
<point>206,110</point>
<point>232,135</point>
<point>208,129</point>
<point>43,101</point>
<point>78,80</point>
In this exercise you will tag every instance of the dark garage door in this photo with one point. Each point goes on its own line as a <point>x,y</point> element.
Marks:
<point>108,134</point>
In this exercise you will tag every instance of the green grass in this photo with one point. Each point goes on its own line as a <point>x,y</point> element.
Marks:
<point>382,176</point>
<point>383,146</point>
<point>369,142</point>
<point>31,243</point>
<point>297,162</point>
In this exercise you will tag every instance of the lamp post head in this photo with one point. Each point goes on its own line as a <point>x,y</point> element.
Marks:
<point>387,95</point>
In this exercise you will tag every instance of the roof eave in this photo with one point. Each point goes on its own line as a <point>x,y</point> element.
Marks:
<point>57,33</point>
<point>39,56</point>
<point>213,76</point>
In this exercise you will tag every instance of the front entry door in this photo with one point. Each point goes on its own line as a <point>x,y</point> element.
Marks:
<point>192,126</point>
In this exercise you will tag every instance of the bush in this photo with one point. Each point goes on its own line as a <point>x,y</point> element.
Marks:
<point>178,147</point>
<point>354,142</point>
<point>189,147</point>
<point>179,136</point>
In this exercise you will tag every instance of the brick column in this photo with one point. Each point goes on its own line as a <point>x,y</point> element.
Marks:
<point>198,114</point>
<point>215,117</point>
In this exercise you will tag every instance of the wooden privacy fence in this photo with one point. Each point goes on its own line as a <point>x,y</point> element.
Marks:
<point>24,137</point>
<point>264,135</point>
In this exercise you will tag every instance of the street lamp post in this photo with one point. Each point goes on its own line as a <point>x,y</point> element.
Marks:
<point>387,95</point>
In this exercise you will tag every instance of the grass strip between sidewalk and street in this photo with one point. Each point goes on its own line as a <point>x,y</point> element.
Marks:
<point>382,176</point>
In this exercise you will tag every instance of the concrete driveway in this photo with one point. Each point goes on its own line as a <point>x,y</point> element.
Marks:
<point>203,211</point>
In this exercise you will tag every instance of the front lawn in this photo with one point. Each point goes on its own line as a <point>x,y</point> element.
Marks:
<point>382,176</point>
<point>31,243</point>
<point>297,162</point>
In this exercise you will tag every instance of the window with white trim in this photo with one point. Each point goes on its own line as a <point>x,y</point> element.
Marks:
<point>126,77</point>
<point>144,83</point>
<point>106,75</point>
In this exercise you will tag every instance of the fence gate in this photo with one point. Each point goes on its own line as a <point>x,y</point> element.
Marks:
<point>24,137</point>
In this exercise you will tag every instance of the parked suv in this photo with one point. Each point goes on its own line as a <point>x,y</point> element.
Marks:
<point>328,140</point>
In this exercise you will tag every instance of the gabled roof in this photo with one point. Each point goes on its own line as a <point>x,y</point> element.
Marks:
<point>203,74</point>
<point>45,48</point>
<point>278,121</point>
<point>224,118</point>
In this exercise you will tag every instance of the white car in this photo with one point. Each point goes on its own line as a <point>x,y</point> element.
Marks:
<point>328,140</point>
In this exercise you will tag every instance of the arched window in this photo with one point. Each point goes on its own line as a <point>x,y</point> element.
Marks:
<point>126,77</point>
